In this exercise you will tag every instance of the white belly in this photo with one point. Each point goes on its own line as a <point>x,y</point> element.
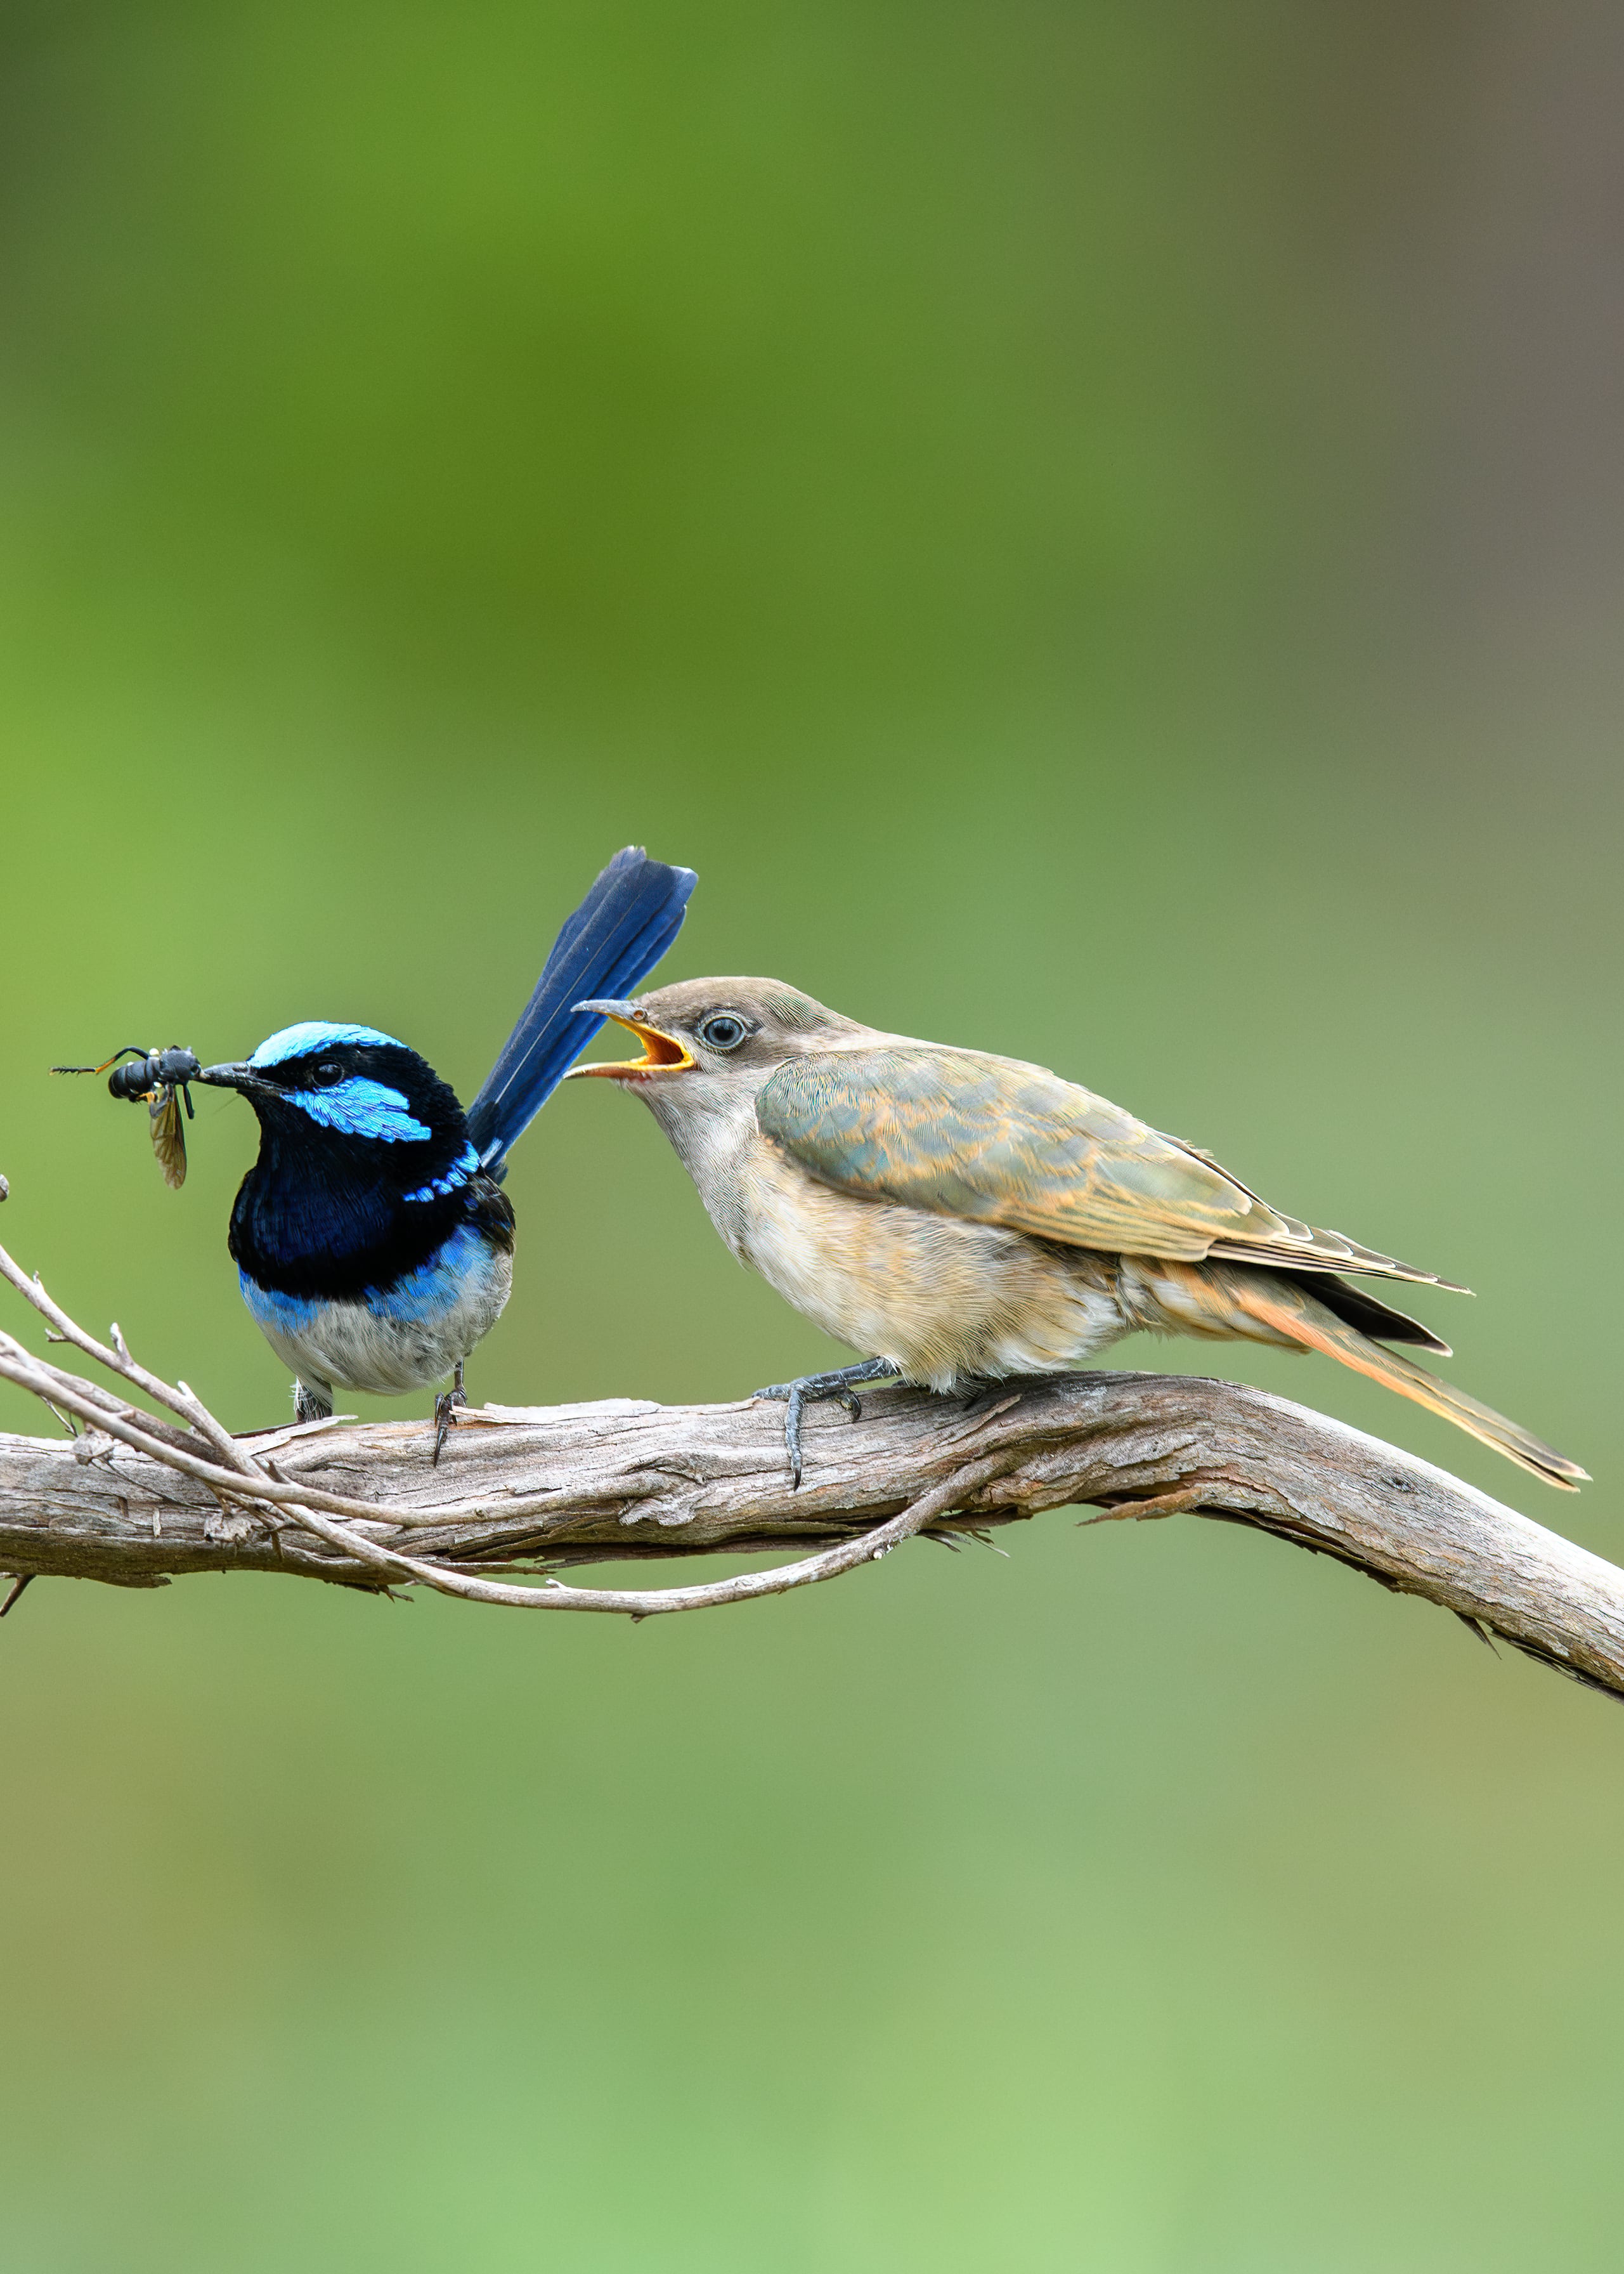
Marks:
<point>393,1339</point>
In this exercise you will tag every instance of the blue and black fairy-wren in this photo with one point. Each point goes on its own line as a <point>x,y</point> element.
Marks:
<point>371,1237</point>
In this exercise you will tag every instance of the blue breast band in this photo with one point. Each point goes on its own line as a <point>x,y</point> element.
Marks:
<point>279,1314</point>
<point>439,1284</point>
<point>421,1296</point>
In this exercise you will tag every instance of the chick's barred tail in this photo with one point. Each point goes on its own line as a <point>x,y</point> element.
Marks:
<point>1292,1310</point>
<point>613,941</point>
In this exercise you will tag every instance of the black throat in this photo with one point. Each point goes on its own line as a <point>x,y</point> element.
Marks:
<point>324,1224</point>
<point>328,1210</point>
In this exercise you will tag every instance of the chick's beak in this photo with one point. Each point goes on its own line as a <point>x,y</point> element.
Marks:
<point>662,1053</point>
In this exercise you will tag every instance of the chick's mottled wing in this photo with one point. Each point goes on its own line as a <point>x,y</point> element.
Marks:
<point>975,1136</point>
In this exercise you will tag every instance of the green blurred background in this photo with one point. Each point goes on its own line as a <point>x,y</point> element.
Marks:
<point>1097,530</point>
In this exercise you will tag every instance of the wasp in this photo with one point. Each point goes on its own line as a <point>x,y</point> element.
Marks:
<point>159,1078</point>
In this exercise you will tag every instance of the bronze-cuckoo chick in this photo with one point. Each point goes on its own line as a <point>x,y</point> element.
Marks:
<point>958,1216</point>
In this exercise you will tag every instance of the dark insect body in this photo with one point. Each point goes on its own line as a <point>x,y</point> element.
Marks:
<point>156,1079</point>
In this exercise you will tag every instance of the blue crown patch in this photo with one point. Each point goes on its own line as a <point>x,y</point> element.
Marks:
<point>314,1035</point>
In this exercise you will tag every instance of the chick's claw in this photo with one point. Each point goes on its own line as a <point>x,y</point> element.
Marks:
<point>816,1389</point>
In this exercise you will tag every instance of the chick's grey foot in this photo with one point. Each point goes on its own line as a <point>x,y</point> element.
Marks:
<point>312,1401</point>
<point>445,1406</point>
<point>814,1389</point>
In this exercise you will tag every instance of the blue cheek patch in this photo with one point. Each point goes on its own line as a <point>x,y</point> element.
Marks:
<point>313,1034</point>
<point>441,1187</point>
<point>360,1107</point>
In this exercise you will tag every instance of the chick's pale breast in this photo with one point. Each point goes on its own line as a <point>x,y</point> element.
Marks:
<point>942,1298</point>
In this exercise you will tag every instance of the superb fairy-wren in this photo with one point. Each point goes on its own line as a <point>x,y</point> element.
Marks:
<point>372,1238</point>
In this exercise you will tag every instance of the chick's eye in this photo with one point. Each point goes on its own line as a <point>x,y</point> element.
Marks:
<point>723,1030</point>
<point>327,1074</point>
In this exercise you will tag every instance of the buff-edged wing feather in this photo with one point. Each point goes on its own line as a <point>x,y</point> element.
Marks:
<point>965,1134</point>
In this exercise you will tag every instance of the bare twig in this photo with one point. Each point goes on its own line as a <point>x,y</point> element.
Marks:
<point>137,1499</point>
<point>118,1360</point>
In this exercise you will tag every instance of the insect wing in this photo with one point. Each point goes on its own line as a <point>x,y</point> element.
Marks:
<point>168,1135</point>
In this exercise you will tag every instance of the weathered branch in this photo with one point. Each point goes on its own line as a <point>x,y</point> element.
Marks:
<point>136,1499</point>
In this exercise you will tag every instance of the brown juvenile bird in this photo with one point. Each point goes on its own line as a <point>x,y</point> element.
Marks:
<point>962,1217</point>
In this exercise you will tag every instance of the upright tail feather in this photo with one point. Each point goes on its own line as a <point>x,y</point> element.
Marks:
<point>1291,1309</point>
<point>613,940</point>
